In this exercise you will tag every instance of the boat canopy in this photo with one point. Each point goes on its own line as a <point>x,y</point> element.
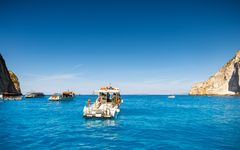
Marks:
<point>68,93</point>
<point>108,89</point>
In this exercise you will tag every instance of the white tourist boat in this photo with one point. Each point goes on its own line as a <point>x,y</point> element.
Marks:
<point>34,95</point>
<point>171,96</point>
<point>106,105</point>
<point>11,96</point>
<point>65,96</point>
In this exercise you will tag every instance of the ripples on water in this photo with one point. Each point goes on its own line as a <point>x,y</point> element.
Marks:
<point>145,122</point>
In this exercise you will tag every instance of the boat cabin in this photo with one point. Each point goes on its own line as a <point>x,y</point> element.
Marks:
<point>109,95</point>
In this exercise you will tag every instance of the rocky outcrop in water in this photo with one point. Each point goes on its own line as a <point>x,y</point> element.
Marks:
<point>8,80</point>
<point>224,82</point>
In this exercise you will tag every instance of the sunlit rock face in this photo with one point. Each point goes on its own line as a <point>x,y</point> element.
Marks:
<point>225,82</point>
<point>8,80</point>
<point>15,81</point>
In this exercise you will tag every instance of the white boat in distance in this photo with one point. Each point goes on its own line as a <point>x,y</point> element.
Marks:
<point>65,96</point>
<point>171,96</point>
<point>34,95</point>
<point>106,105</point>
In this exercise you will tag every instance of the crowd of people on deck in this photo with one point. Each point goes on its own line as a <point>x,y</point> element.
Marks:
<point>106,98</point>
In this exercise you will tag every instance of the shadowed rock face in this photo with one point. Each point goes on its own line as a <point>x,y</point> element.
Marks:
<point>224,82</point>
<point>233,84</point>
<point>8,80</point>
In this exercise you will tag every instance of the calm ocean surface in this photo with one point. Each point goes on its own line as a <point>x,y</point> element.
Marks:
<point>145,122</point>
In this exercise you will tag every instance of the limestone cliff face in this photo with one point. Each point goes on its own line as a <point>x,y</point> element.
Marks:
<point>8,80</point>
<point>225,82</point>
<point>15,81</point>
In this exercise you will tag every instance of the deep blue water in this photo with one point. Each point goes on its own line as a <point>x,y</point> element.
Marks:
<point>145,122</point>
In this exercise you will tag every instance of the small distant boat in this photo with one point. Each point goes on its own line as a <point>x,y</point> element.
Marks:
<point>55,97</point>
<point>11,96</point>
<point>106,105</point>
<point>65,96</point>
<point>171,96</point>
<point>34,95</point>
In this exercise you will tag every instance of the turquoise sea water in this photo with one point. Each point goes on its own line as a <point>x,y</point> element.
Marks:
<point>145,122</point>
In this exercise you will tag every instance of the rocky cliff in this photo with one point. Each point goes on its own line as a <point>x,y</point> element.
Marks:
<point>15,81</point>
<point>225,82</point>
<point>8,80</point>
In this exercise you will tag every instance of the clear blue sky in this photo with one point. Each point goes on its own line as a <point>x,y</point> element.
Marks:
<point>143,47</point>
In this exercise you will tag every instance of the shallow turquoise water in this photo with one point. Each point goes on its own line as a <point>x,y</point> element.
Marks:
<point>145,122</point>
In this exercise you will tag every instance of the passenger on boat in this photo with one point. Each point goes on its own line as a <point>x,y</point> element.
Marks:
<point>114,99</point>
<point>118,102</point>
<point>89,102</point>
<point>99,102</point>
<point>108,97</point>
<point>104,97</point>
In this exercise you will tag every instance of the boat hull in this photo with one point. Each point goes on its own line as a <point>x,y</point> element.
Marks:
<point>106,113</point>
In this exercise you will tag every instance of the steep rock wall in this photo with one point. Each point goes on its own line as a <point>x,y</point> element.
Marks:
<point>224,82</point>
